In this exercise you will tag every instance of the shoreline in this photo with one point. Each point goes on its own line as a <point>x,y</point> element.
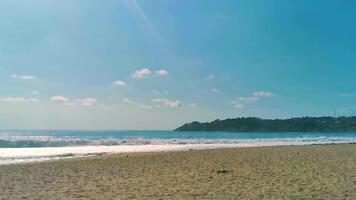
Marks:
<point>277,172</point>
<point>15,156</point>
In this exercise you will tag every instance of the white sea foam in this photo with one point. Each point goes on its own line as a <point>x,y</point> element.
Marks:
<point>62,141</point>
<point>20,155</point>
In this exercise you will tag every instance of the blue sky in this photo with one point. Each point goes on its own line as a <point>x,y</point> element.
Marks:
<point>141,64</point>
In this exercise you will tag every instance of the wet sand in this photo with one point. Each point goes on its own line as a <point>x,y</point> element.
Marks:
<point>291,172</point>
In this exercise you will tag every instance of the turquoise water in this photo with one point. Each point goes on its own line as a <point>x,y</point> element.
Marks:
<point>62,138</point>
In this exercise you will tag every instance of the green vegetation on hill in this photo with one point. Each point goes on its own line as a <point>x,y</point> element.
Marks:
<point>253,124</point>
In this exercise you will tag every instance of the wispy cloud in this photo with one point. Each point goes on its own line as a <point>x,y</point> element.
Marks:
<point>35,92</point>
<point>248,99</point>
<point>263,94</point>
<point>157,92</point>
<point>135,8</point>
<point>347,95</point>
<point>167,102</point>
<point>145,72</point>
<point>134,103</point>
<point>19,100</point>
<point>241,102</point>
<point>142,73</point>
<point>155,103</point>
<point>87,101</point>
<point>210,77</point>
<point>161,72</point>
<point>221,16</point>
<point>59,99</point>
<point>215,90</point>
<point>148,107</point>
<point>192,105</point>
<point>67,102</point>
<point>120,83</point>
<point>128,101</point>
<point>238,104</point>
<point>24,77</point>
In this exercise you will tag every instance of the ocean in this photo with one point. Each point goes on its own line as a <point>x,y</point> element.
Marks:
<point>18,146</point>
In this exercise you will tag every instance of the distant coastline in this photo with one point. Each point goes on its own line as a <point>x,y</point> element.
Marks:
<point>254,124</point>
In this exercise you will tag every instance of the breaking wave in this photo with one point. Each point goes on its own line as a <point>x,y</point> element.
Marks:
<point>18,147</point>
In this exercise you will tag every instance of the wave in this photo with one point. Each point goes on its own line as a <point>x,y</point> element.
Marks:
<point>21,141</point>
<point>29,146</point>
<point>4,160</point>
<point>20,155</point>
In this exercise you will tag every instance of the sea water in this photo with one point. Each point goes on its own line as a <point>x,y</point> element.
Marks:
<point>38,145</point>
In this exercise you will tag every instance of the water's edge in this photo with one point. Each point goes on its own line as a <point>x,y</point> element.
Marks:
<point>21,146</point>
<point>29,155</point>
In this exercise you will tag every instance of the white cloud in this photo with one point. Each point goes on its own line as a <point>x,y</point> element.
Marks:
<point>119,83</point>
<point>161,72</point>
<point>24,77</point>
<point>263,94</point>
<point>173,104</point>
<point>86,102</point>
<point>167,102</point>
<point>145,72</point>
<point>142,73</point>
<point>59,99</point>
<point>20,100</point>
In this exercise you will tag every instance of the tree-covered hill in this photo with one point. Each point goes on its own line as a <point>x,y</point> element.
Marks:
<point>253,124</point>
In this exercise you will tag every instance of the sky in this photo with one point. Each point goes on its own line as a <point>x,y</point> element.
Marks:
<point>142,64</point>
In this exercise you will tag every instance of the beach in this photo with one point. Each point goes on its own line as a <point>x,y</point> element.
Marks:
<point>283,172</point>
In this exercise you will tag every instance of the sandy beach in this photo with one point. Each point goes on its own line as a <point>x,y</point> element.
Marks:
<point>289,172</point>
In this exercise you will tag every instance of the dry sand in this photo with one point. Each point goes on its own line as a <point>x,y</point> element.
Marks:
<point>294,172</point>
